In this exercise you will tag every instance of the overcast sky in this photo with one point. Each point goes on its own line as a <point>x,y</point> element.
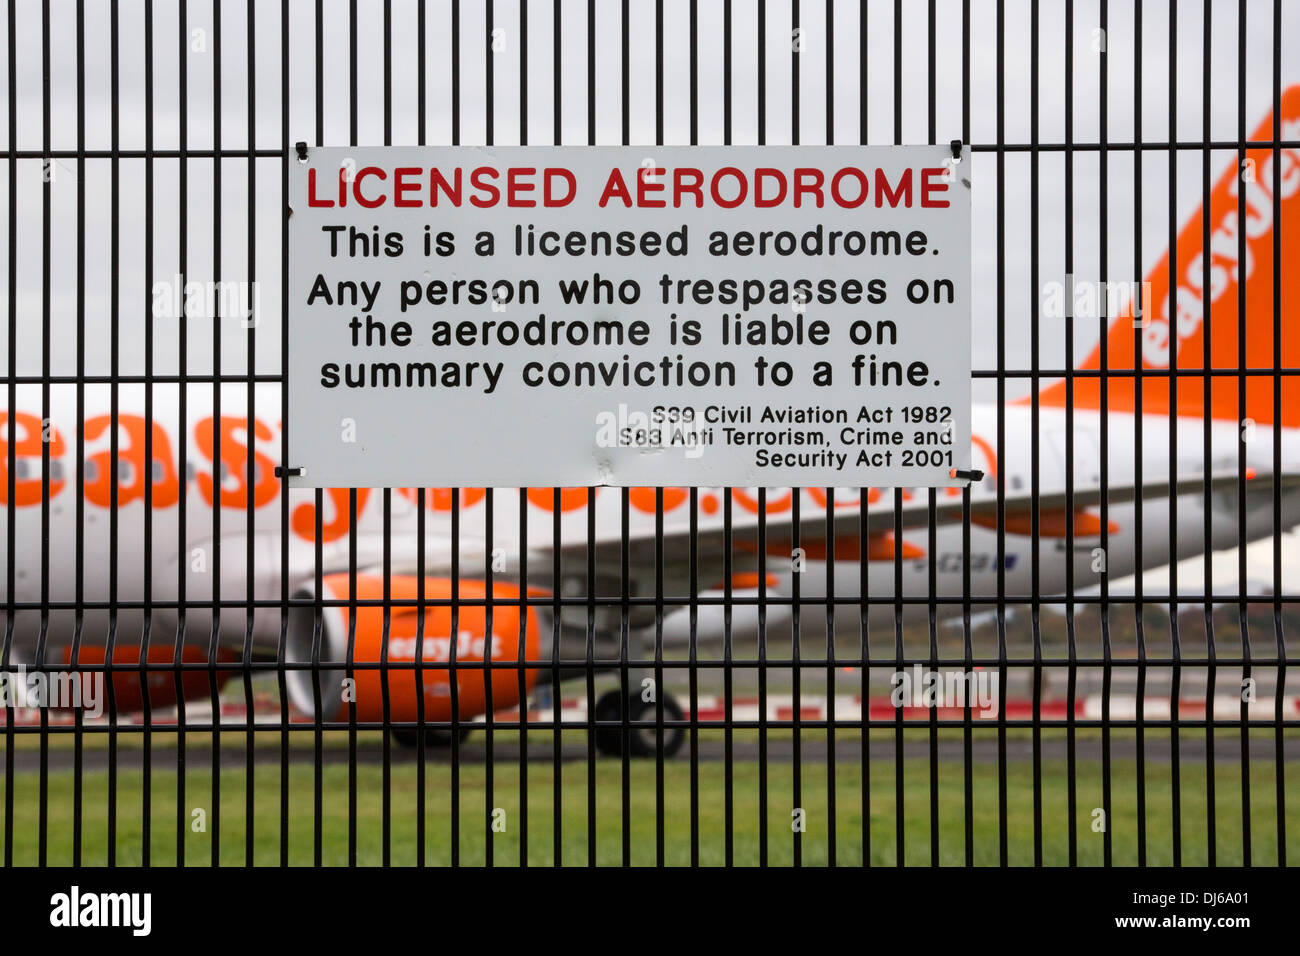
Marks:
<point>202,46</point>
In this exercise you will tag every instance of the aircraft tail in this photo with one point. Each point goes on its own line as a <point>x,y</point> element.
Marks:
<point>1179,329</point>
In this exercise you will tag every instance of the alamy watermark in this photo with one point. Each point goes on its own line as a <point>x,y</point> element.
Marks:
<point>63,690</point>
<point>1095,299</point>
<point>78,908</point>
<point>227,299</point>
<point>922,687</point>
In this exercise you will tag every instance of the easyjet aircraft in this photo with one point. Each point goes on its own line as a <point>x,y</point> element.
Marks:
<point>196,518</point>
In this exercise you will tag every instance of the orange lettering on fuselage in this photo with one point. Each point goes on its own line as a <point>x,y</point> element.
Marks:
<point>571,499</point>
<point>774,504</point>
<point>303,520</point>
<point>131,428</point>
<point>133,472</point>
<point>27,491</point>
<point>441,499</point>
<point>644,499</point>
<point>235,442</point>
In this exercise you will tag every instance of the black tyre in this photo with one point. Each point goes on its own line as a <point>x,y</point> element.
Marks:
<point>642,741</point>
<point>609,740</point>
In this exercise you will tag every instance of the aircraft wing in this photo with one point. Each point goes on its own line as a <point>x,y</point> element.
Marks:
<point>877,522</point>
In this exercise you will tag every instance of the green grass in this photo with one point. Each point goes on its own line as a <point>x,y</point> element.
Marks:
<point>608,789</point>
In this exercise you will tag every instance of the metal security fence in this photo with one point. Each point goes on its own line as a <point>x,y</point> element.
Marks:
<point>1082,657</point>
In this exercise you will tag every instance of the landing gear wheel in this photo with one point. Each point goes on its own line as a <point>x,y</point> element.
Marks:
<point>432,738</point>
<point>609,740</point>
<point>642,741</point>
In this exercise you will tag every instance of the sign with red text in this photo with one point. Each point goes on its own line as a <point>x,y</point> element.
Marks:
<point>567,316</point>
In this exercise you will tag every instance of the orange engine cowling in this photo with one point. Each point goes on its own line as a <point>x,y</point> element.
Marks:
<point>403,634</point>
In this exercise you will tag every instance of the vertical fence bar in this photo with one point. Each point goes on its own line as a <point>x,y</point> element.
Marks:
<point>693,557</point>
<point>350,656</point>
<point>931,499</point>
<point>353,121</point>
<point>900,848</point>
<point>557,792</point>
<point>830,512</point>
<point>864,500</point>
<point>1035,441</point>
<point>1103,242</point>
<point>250,400</point>
<point>660,110</point>
<point>79,558</point>
<point>1207,439</point>
<point>1140,304</point>
<point>452,676</point>
<point>1175,638</point>
<point>421,733</point>
<point>522,498</point>
<point>182,398</point>
<point>11,447</point>
<point>1242,616</point>
<point>489,759</point>
<point>968,649</point>
<point>1071,762</point>
<point>385,692</point>
<point>1279,757</point>
<point>218,461</point>
<point>1002,431</point>
<point>591,560</point>
<point>659,676</point>
<point>589,646</point>
<point>489,752</point>
<point>523,674</point>
<point>318,611</point>
<point>146,756</point>
<point>46,247</point>
<point>796,673</point>
<point>385,697</point>
<point>728,732</point>
<point>455,506</point>
<point>796,704</point>
<point>282,645</point>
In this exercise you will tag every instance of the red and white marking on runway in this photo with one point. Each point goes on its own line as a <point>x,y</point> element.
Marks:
<point>780,707</point>
<point>712,709</point>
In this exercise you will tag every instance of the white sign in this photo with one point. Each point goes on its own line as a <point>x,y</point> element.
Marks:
<point>567,316</point>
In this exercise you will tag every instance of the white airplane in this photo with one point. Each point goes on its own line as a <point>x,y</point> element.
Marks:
<point>200,551</point>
